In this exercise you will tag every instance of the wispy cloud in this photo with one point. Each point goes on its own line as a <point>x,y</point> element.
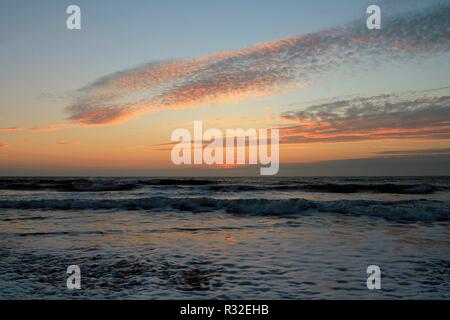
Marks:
<point>3,145</point>
<point>48,128</point>
<point>364,118</point>
<point>51,128</point>
<point>436,151</point>
<point>260,70</point>
<point>11,129</point>
<point>70,142</point>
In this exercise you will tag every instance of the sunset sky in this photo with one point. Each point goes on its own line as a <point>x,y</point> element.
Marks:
<point>104,100</point>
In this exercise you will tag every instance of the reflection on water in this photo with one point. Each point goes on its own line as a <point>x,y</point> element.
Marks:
<point>179,254</point>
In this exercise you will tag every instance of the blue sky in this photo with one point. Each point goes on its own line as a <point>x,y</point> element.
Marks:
<point>118,34</point>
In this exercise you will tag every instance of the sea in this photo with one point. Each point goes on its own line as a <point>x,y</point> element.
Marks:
<point>225,238</point>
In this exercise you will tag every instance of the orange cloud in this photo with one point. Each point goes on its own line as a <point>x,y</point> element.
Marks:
<point>379,117</point>
<point>68,142</point>
<point>11,129</point>
<point>49,128</point>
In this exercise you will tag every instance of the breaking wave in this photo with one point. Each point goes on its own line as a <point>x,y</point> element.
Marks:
<point>407,210</point>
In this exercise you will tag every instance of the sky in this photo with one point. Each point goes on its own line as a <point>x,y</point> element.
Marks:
<point>105,99</point>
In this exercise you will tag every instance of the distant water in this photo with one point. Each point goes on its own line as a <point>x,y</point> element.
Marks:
<point>237,238</point>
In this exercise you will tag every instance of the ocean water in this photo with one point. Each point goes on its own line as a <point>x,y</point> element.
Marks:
<point>225,238</point>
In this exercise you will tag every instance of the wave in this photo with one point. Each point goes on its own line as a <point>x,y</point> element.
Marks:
<point>67,185</point>
<point>214,185</point>
<point>377,188</point>
<point>178,182</point>
<point>93,185</point>
<point>390,188</point>
<point>407,210</point>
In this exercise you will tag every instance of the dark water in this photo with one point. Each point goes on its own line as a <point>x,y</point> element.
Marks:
<point>262,238</point>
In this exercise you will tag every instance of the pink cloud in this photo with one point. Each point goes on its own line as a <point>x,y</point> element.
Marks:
<point>261,70</point>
